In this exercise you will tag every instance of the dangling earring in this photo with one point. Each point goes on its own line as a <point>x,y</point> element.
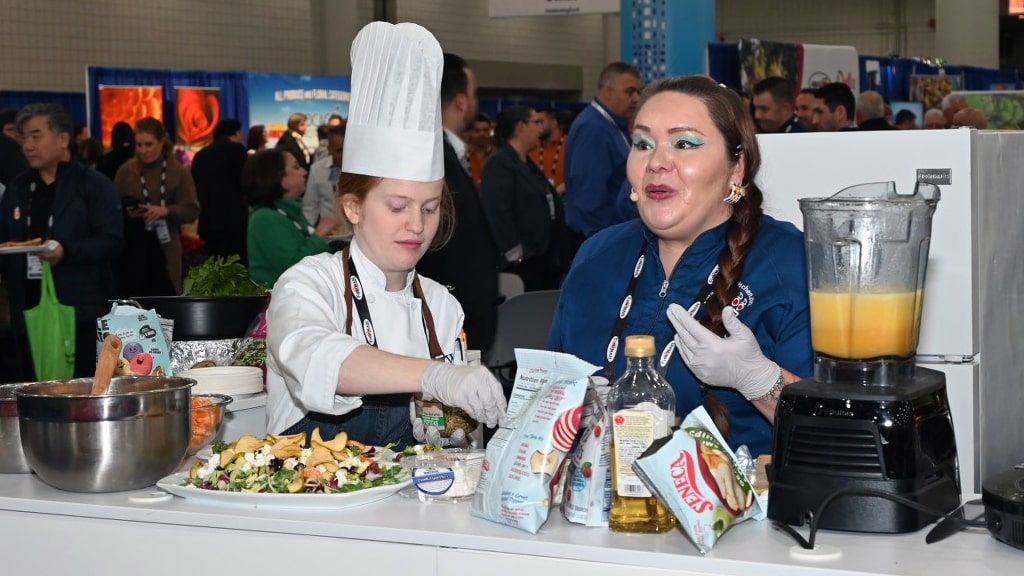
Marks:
<point>736,193</point>
<point>633,195</point>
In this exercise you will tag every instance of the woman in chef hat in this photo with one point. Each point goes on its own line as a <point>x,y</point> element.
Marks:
<point>352,335</point>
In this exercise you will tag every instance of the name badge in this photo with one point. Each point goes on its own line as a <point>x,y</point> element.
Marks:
<point>162,233</point>
<point>33,267</point>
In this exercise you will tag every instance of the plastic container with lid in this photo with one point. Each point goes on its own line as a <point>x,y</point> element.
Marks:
<point>445,476</point>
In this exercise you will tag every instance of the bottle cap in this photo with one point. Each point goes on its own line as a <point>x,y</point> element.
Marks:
<point>639,346</point>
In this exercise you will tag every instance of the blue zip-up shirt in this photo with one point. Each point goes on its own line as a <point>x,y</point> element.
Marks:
<point>772,302</point>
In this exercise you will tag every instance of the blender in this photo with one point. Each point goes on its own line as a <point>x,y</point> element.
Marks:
<point>870,421</point>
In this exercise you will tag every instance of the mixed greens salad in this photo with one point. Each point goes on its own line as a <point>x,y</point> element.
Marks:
<point>282,464</point>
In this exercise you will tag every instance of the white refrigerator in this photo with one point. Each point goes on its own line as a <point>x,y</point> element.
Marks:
<point>972,327</point>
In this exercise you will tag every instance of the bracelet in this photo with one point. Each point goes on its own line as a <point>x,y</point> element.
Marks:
<point>773,392</point>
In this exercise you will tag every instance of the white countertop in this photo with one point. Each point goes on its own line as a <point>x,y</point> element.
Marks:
<point>446,533</point>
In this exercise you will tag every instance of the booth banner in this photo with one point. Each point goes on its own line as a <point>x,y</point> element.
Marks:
<point>503,8</point>
<point>760,59</point>
<point>821,64</point>
<point>128,104</point>
<point>275,97</point>
<point>1003,110</point>
<point>196,113</point>
<point>930,90</point>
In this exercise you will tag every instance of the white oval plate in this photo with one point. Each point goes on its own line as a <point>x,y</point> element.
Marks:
<point>173,484</point>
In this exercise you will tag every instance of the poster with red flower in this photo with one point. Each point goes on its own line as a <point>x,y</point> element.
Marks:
<point>128,104</point>
<point>196,111</point>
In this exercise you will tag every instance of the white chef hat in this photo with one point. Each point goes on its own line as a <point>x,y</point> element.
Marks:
<point>394,119</point>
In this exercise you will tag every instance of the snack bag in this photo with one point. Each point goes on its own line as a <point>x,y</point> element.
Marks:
<point>145,351</point>
<point>523,456</point>
<point>588,487</point>
<point>696,475</point>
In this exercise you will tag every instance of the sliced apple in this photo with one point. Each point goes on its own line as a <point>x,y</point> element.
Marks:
<point>247,444</point>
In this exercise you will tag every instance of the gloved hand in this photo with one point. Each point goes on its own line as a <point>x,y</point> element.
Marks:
<point>735,361</point>
<point>472,388</point>
<point>432,435</point>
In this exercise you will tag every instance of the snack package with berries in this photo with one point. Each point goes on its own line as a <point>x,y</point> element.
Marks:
<point>523,458</point>
<point>697,476</point>
<point>587,492</point>
<point>145,351</point>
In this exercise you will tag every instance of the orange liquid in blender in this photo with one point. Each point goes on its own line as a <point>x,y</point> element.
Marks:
<point>861,326</point>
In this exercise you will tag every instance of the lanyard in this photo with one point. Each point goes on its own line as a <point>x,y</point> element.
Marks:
<point>609,118</point>
<point>163,183</point>
<point>354,291</point>
<point>28,217</point>
<point>554,160</point>
<point>627,304</point>
<point>306,230</point>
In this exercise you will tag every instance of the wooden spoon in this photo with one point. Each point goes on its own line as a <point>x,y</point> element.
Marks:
<point>105,365</point>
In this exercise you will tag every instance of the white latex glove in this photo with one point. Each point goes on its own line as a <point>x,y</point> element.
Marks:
<point>735,361</point>
<point>472,388</point>
<point>432,435</point>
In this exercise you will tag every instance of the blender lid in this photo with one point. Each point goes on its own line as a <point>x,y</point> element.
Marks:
<point>878,192</point>
<point>1005,491</point>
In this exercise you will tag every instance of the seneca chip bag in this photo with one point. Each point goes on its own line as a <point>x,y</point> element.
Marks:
<point>696,475</point>
<point>524,456</point>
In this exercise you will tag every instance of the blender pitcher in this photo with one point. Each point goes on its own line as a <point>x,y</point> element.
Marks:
<point>867,253</point>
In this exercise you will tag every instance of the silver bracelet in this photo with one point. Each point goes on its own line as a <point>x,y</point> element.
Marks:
<point>773,392</point>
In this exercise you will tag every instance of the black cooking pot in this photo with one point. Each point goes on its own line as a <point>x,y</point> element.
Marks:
<point>206,317</point>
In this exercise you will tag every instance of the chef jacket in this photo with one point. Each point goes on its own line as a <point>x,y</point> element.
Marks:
<point>306,340</point>
<point>772,301</point>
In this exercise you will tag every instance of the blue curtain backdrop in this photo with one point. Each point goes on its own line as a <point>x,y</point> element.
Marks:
<point>234,94</point>
<point>73,102</point>
<point>892,80</point>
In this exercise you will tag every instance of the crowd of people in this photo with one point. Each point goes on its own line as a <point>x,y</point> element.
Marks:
<point>642,210</point>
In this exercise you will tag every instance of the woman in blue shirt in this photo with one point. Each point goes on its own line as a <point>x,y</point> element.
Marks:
<point>721,286</point>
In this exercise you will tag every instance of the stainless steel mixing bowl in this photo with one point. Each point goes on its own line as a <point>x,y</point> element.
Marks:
<point>12,458</point>
<point>123,440</point>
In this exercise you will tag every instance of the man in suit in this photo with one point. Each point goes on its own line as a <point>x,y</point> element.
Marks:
<point>773,107</point>
<point>292,140</point>
<point>521,203</point>
<point>217,171</point>
<point>468,263</point>
<point>834,108</point>
<point>871,112</point>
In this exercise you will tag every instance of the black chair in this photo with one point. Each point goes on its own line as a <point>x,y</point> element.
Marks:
<point>524,321</point>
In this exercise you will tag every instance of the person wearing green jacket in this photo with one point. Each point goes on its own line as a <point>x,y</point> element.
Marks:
<point>278,235</point>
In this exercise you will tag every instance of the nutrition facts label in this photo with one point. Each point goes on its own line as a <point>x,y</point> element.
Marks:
<point>632,433</point>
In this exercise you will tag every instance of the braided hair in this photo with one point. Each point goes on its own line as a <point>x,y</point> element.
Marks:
<point>737,127</point>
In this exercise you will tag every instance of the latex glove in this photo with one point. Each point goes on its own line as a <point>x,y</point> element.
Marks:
<point>432,435</point>
<point>472,388</point>
<point>735,361</point>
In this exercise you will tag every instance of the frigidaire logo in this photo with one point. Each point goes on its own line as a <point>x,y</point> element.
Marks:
<point>935,175</point>
<point>683,477</point>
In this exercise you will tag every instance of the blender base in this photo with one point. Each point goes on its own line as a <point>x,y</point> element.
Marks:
<point>895,440</point>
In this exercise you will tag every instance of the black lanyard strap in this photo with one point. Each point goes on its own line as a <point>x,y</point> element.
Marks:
<point>354,294</point>
<point>163,183</point>
<point>611,351</point>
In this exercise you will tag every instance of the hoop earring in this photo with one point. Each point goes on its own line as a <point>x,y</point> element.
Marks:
<point>736,193</point>
<point>633,195</point>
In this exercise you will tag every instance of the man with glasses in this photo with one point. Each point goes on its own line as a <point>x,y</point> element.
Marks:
<point>75,208</point>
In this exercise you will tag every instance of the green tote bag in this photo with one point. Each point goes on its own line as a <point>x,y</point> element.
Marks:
<point>51,333</point>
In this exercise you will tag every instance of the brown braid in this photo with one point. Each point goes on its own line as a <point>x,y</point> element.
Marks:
<point>737,127</point>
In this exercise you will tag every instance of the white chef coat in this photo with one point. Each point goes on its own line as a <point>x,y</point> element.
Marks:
<point>306,340</point>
